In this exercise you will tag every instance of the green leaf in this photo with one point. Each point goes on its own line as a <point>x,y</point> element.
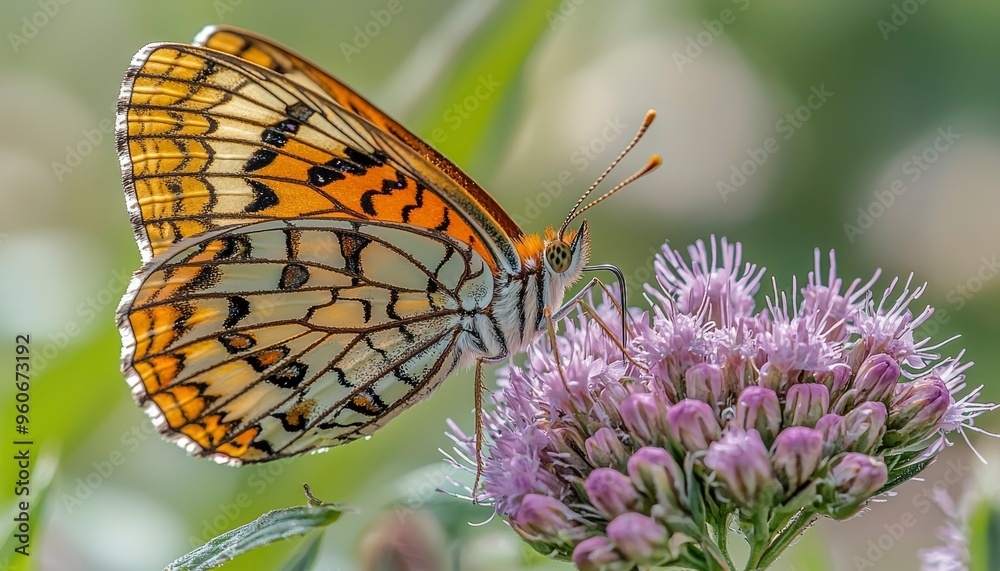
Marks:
<point>903,474</point>
<point>265,530</point>
<point>305,556</point>
<point>992,538</point>
<point>984,536</point>
<point>699,511</point>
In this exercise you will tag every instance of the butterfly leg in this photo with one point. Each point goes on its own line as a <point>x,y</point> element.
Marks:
<point>480,387</point>
<point>578,300</point>
<point>550,331</point>
<point>620,302</point>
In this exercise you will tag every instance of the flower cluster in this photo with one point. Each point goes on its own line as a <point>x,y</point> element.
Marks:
<point>713,416</point>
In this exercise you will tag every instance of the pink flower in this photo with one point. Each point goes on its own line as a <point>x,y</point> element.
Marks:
<point>720,416</point>
<point>796,454</point>
<point>740,461</point>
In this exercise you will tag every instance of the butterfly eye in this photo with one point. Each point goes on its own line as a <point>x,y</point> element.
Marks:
<point>558,255</point>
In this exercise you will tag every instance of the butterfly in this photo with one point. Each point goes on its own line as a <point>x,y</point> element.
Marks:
<point>310,267</point>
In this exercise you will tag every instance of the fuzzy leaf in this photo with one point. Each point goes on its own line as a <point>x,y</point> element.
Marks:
<point>268,528</point>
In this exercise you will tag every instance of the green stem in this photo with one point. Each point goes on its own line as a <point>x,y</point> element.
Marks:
<point>721,531</point>
<point>717,561</point>
<point>689,561</point>
<point>761,537</point>
<point>781,520</point>
<point>713,558</point>
<point>785,538</point>
<point>709,557</point>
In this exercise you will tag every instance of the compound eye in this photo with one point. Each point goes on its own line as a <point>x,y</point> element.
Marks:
<point>558,255</point>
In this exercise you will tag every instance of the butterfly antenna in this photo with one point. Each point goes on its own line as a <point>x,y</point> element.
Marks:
<point>654,162</point>
<point>574,212</point>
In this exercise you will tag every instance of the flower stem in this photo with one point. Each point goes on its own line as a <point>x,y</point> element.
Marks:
<point>761,539</point>
<point>714,559</point>
<point>698,562</point>
<point>721,532</point>
<point>784,539</point>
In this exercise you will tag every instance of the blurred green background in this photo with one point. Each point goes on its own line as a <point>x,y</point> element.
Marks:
<point>871,128</point>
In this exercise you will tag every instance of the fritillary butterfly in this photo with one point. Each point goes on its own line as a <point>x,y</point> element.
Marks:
<point>310,267</point>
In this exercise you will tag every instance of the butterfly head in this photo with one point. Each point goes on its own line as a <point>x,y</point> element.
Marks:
<point>566,254</point>
<point>563,254</point>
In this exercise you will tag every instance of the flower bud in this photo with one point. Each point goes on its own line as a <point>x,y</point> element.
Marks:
<point>569,442</point>
<point>917,409</point>
<point>838,380</point>
<point>805,403</point>
<point>605,449</point>
<point>797,452</point>
<point>771,377</point>
<point>692,424</point>
<point>655,473</point>
<point>864,426</point>
<point>847,400</point>
<point>643,415</point>
<point>611,491</point>
<point>416,541</point>
<point>856,477</point>
<point>598,554</point>
<point>858,354</point>
<point>638,537</point>
<point>834,432</point>
<point>740,461</point>
<point>757,408</point>
<point>877,377</point>
<point>609,400</point>
<point>546,519</point>
<point>704,382</point>
<point>668,378</point>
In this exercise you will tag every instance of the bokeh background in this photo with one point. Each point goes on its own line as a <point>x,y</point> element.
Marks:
<point>871,128</point>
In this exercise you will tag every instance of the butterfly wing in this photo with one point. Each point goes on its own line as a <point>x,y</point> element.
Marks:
<point>255,342</point>
<point>265,53</point>
<point>207,139</point>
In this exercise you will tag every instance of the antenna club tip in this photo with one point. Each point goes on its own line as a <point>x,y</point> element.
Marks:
<point>655,161</point>
<point>650,115</point>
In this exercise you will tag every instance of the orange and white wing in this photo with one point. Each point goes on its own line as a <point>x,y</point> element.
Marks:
<point>259,341</point>
<point>207,140</point>
<point>264,52</point>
